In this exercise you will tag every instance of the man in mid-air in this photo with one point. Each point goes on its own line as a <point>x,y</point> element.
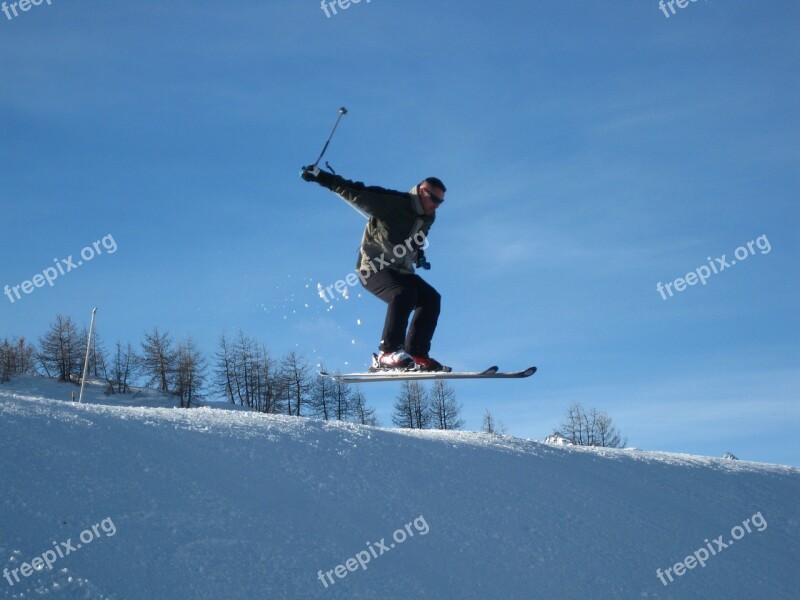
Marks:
<point>392,245</point>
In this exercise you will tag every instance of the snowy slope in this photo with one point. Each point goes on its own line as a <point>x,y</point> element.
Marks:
<point>210,503</point>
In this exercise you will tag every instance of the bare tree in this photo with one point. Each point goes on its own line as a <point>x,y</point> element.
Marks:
<point>444,407</point>
<point>491,425</point>
<point>158,359</point>
<point>607,435</point>
<point>411,407</point>
<point>244,374</point>
<point>8,362</point>
<point>336,401</point>
<point>189,374</point>
<point>342,401</point>
<point>332,400</point>
<point>225,375</point>
<point>25,355</point>
<point>591,428</point>
<point>98,359</point>
<point>263,381</point>
<point>362,414</point>
<point>60,350</point>
<point>244,364</point>
<point>16,357</point>
<point>123,368</point>
<point>322,397</point>
<point>295,381</point>
<point>575,427</point>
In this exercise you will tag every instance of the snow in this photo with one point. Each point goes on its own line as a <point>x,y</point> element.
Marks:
<point>211,503</point>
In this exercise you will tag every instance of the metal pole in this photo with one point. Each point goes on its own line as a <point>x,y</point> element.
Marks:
<point>86,361</point>
<point>342,112</point>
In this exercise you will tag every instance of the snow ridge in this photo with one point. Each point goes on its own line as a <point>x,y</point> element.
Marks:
<point>210,503</point>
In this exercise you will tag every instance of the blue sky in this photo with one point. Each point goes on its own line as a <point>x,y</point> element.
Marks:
<point>590,150</point>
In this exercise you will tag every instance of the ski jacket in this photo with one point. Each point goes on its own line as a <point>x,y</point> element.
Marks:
<point>397,229</point>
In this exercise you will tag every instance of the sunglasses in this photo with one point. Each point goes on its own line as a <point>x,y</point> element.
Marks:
<point>436,199</point>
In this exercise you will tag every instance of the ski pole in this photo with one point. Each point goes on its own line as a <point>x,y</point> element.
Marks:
<point>342,112</point>
<point>315,168</point>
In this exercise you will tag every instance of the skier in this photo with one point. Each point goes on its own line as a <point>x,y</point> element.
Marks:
<point>391,246</point>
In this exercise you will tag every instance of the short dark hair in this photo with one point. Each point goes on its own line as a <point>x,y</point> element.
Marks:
<point>435,182</point>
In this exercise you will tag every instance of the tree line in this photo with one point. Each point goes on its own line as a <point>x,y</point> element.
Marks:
<point>245,373</point>
<point>417,408</point>
<point>242,371</point>
<point>589,428</point>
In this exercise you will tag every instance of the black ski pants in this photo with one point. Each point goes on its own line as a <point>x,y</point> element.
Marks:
<point>406,292</point>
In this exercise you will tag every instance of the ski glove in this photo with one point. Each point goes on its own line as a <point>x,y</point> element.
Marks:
<point>313,173</point>
<point>309,173</point>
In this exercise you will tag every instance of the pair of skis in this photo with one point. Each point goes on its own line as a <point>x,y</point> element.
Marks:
<point>400,375</point>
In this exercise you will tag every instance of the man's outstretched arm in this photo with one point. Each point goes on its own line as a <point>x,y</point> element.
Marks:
<point>373,200</point>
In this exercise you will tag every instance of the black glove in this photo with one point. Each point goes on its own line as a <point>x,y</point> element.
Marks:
<point>325,179</point>
<point>310,173</point>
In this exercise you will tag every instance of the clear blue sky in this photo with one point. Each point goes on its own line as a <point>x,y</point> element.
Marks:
<point>591,150</point>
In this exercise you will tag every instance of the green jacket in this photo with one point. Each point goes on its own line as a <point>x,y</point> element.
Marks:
<point>398,226</point>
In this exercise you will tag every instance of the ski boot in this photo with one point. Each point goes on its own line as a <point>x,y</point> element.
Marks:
<point>426,364</point>
<point>399,360</point>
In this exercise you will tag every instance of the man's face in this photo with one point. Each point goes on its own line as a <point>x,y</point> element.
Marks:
<point>430,196</point>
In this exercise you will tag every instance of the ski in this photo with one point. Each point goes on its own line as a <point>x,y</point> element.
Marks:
<point>490,373</point>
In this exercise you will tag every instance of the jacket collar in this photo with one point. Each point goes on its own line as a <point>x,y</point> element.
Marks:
<point>416,202</point>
